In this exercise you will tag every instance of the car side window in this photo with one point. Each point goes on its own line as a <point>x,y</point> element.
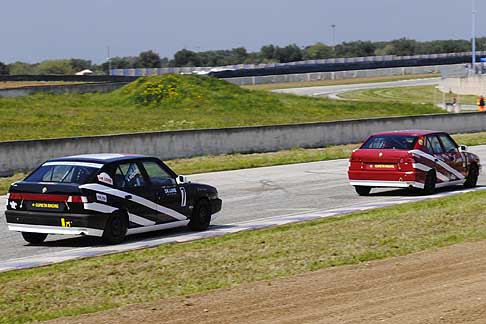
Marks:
<point>448,143</point>
<point>158,176</point>
<point>128,175</point>
<point>433,145</point>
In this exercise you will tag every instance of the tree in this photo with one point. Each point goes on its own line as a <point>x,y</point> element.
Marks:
<point>317,51</point>
<point>21,68</point>
<point>404,47</point>
<point>186,57</point>
<point>267,52</point>
<point>4,69</point>
<point>289,53</point>
<point>59,67</point>
<point>79,64</point>
<point>148,59</point>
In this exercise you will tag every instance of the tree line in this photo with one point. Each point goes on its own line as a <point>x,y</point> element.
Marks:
<point>266,54</point>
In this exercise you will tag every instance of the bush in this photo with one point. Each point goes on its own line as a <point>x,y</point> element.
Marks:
<point>171,88</point>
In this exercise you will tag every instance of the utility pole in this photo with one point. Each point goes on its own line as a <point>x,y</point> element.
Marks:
<point>473,34</point>
<point>109,59</point>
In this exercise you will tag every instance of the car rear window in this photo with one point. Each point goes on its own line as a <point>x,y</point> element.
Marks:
<point>392,142</point>
<point>63,172</point>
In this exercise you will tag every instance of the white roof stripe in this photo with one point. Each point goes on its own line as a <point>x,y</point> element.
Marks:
<point>75,163</point>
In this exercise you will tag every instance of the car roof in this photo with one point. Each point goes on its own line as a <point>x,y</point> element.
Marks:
<point>414,132</point>
<point>102,158</point>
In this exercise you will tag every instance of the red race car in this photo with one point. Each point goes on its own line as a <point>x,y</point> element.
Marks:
<point>412,159</point>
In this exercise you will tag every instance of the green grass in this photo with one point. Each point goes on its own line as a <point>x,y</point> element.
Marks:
<point>90,285</point>
<point>244,161</point>
<point>417,95</point>
<point>321,83</point>
<point>185,102</point>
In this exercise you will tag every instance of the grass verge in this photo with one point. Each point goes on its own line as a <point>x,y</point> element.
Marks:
<point>417,95</point>
<point>245,161</point>
<point>175,102</point>
<point>95,284</point>
<point>322,83</point>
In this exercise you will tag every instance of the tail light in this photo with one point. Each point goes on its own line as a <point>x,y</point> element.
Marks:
<point>407,160</point>
<point>77,199</point>
<point>48,197</point>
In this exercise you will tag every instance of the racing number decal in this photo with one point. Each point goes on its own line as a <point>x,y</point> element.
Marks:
<point>183,197</point>
<point>65,223</point>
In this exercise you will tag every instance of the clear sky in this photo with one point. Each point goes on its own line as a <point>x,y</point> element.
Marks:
<point>33,30</point>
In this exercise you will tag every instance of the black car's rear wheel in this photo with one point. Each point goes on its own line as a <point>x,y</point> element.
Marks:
<point>115,229</point>
<point>430,181</point>
<point>201,216</point>
<point>472,177</point>
<point>34,238</point>
<point>362,190</point>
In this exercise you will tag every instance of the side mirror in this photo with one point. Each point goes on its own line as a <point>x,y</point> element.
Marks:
<point>181,179</point>
<point>462,148</point>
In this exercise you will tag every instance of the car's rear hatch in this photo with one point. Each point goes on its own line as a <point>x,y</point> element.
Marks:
<point>46,197</point>
<point>380,160</point>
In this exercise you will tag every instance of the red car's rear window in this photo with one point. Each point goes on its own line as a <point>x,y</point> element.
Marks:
<point>391,142</point>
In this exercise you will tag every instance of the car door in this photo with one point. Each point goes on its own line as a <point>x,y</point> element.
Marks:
<point>136,194</point>
<point>170,197</point>
<point>455,159</point>
<point>434,146</point>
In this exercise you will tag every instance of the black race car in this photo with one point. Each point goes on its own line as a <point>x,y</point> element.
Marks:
<point>107,195</point>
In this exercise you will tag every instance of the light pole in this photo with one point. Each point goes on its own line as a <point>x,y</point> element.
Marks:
<point>333,26</point>
<point>109,59</point>
<point>473,34</point>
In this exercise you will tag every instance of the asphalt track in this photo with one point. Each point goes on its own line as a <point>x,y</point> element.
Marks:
<point>333,91</point>
<point>292,191</point>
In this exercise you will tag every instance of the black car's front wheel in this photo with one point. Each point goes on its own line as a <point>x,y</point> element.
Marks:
<point>201,216</point>
<point>115,229</point>
<point>34,238</point>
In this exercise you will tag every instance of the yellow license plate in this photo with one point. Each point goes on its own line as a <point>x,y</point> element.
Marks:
<point>384,166</point>
<point>45,205</point>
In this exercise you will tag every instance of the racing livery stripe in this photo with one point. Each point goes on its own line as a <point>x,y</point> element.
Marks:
<point>423,167</point>
<point>439,162</point>
<point>137,199</point>
<point>140,220</point>
<point>102,208</point>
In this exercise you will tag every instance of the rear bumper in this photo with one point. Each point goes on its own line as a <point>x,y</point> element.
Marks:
<point>392,179</point>
<point>56,223</point>
<point>387,184</point>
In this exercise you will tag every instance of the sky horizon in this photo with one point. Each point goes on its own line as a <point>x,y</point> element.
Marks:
<point>33,31</point>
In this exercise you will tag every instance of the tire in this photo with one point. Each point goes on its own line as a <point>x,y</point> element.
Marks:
<point>472,177</point>
<point>34,238</point>
<point>430,181</point>
<point>362,190</point>
<point>201,216</point>
<point>115,229</point>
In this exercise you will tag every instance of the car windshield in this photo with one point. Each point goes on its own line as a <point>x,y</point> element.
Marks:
<point>63,172</point>
<point>392,142</point>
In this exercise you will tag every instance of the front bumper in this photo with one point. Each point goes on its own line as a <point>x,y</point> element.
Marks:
<point>56,223</point>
